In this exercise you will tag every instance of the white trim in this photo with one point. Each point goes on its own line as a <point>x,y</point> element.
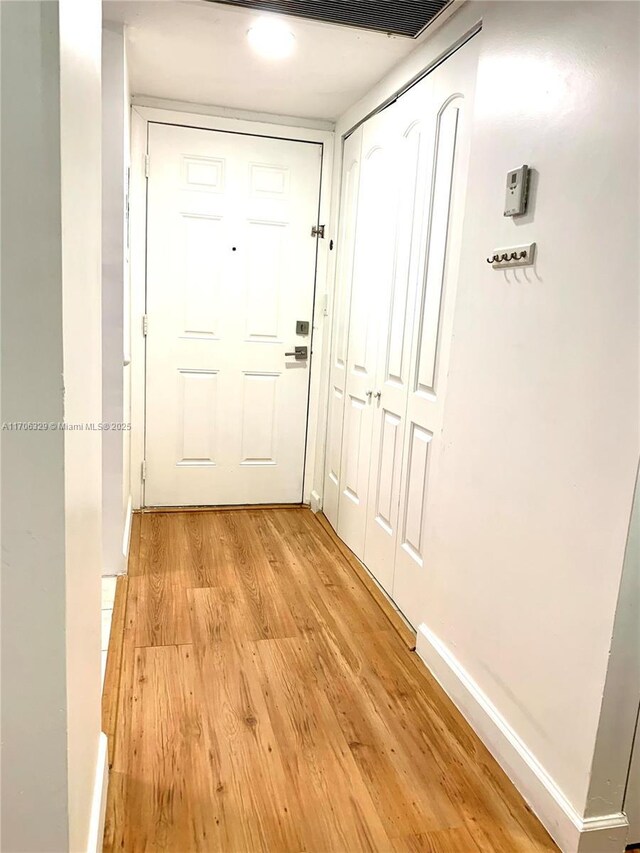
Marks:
<point>227,112</point>
<point>316,501</point>
<point>321,340</point>
<point>572,833</point>
<point>126,538</point>
<point>137,273</point>
<point>238,122</point>
<point>603,834</point>
<point>99,802</point>
<point>613,775</point>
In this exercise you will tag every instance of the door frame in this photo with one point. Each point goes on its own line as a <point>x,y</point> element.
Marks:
<point>208,118</point>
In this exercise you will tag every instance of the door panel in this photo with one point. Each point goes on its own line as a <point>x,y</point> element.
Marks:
<point>353,447</point>
<point>415,491</point>
<point>341,307</point>
<point>230,268</point>
<point>372,271</point>
<point>451,95</point>
<point>259,419</point>
<point>265,278</point>
<point>438,238</point>
<point>202,244</point>
<point>197,417</point>
<point>388,463</point>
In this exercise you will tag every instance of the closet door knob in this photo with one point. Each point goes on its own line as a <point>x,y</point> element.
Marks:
<point>368,394</point>
<point>378,394</point>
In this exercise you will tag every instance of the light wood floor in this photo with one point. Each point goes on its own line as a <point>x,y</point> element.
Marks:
<point>264,700</point>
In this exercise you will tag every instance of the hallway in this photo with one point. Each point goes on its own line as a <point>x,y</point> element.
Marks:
<point>269,702</point>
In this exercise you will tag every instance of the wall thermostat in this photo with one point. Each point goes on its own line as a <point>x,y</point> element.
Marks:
<point>517,192</point>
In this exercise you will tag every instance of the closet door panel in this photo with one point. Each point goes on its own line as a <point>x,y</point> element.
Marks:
<point>452,93</point>
<point>372,271</point>
<point>341,306</point>
<point>334,449</point>
<point>386,467</point>
<point>413,140</point>
<point>355,415</point>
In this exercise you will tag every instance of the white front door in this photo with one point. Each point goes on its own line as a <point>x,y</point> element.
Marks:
<point>230,271</point>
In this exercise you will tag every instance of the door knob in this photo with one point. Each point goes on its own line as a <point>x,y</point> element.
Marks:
<point>368,394</point>
<point>300,353</point>
<point>378,394</point>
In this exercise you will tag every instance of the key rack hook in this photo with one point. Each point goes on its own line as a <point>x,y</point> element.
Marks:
<point>514,256</point>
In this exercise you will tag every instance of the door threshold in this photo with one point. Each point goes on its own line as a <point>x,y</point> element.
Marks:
<point>220,508</point>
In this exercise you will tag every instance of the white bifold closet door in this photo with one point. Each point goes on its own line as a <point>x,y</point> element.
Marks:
<point>341,303</point>
<point>452,87</point>
<point>413,138</point>
<point>372,267</point>
<point>403,244</point>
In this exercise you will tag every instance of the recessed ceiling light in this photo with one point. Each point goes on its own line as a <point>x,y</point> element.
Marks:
<point>271,38</point>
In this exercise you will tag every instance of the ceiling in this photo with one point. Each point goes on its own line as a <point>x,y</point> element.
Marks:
<point>407,18</point>
<point>198,52</point>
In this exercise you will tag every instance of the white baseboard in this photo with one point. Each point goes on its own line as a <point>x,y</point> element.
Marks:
<point>316,502</point>
<point>572,833</point>
<point>99,802</point>
<point>603,834</point>
<point>126,538</point>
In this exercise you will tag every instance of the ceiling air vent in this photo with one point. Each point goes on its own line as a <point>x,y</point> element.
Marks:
<point>400,17</point>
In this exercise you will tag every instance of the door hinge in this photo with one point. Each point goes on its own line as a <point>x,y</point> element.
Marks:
<point>318,231</point>
<point>143,470</point>
<point>146,165</point>
<point>145,324</point>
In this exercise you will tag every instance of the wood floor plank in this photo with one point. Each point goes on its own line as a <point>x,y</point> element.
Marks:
<point>161,582</point>
<point>113,670</point>
<point>203,562</point>
<point>249,770</point>
<point>118,759</point>
<point>320,765</point>
<point>337,600</point>
<point>271,614</point>
<point>270,702</point>
<point>165,792</point>
<point>445,841</point>
<point>431,737</point>
<point>406,633</point>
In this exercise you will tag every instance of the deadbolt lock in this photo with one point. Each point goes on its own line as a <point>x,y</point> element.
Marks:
<point>302,327</point>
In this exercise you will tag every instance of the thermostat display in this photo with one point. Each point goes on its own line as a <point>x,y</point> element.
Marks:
<point>517,191</point>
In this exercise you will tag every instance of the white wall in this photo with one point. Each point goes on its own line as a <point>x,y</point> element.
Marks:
<point>126,371</point>
<point>541,423</point>
<point>80,132</point>
<point>528,519</point>
<point>34,702</point>
<point>51,480</point>
<point>115,297</point>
